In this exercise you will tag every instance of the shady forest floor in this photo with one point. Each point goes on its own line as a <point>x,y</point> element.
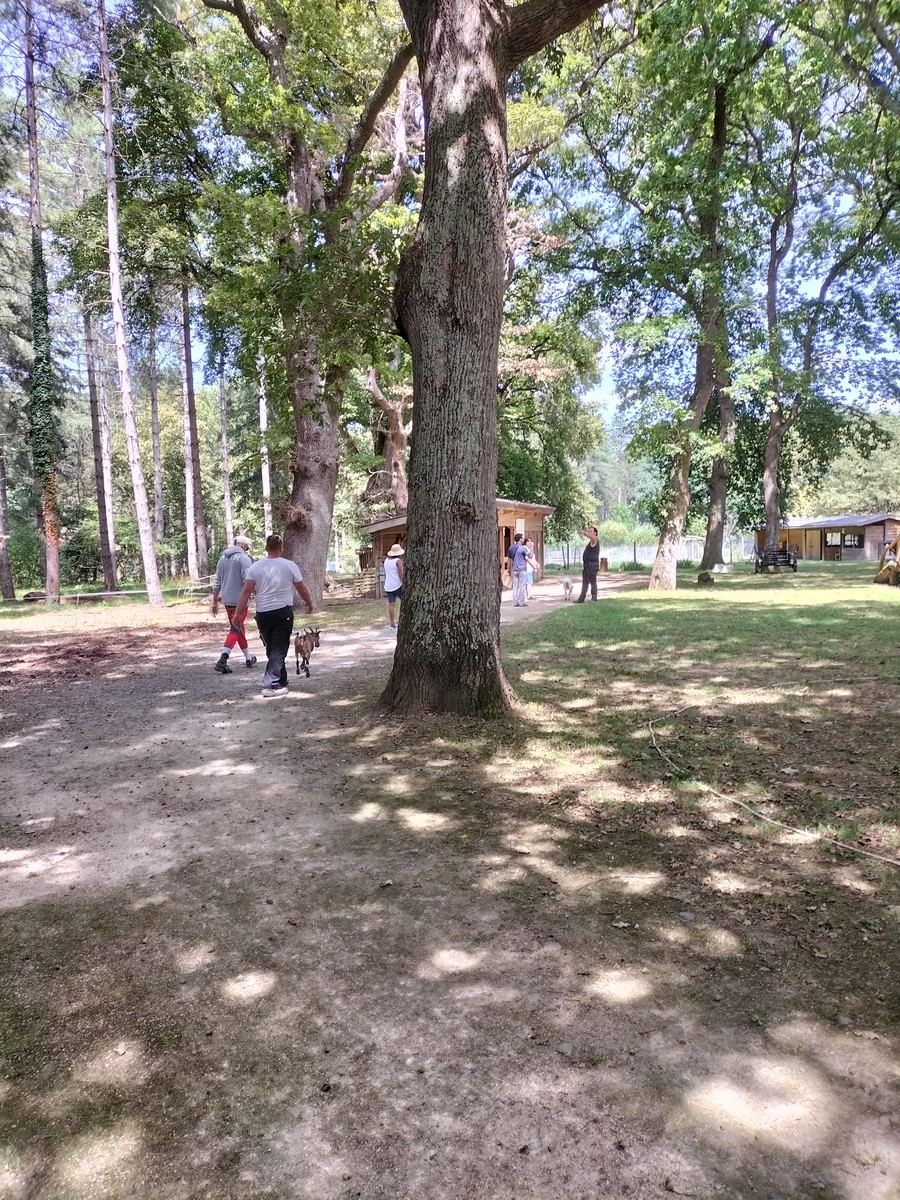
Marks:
<point>639,940</point>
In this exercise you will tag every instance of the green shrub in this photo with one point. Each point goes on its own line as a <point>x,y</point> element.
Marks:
<point>26,556</point>
<point>687,564</point>
<point>633,566</point>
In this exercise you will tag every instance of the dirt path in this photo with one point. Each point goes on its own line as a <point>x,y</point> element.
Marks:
<point>248,961</point>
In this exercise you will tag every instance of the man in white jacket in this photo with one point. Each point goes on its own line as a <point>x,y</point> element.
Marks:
<point>231,571</point>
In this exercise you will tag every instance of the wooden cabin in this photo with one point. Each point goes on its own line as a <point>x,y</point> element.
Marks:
<point>852,538</point>
<point>513,516</point>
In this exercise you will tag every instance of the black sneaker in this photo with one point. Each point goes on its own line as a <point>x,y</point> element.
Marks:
<point>251,661</point>
<point>222,666</point>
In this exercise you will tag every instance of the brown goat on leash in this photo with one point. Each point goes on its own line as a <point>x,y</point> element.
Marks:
<point>305,641</point>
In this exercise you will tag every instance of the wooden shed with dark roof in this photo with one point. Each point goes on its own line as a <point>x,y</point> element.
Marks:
<point>513,516</point>
<point>855,537</point>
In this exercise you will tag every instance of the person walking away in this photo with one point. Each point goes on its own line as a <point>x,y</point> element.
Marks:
<point>518,565</point>
<point>231,571</point>
<point>393,580</point>
<point>533,565</point>
<point>590,560</point>
<point>274,579</point>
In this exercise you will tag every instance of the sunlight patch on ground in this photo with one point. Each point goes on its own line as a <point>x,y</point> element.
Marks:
<point>535,839</point>
<point>420,822</point>
<point>781,1102</point>
<point>13,1174</point>
<point>116,1065</point>
<point>580,702</point>
<point>252,985</point>
<point>98,1166</point>
<point>195,958</point>
<point>450,962</point>
<point>850,877</point>
<point>500,877</point>
<point>369,812</point>
<point>728,882</point>
<point>148,901</point>
<point>634,883</point>
<point>26,864</point>
<point>221,766</point>
<point>675,829</point>
<point>840,1053</point>
<point>620,986</point>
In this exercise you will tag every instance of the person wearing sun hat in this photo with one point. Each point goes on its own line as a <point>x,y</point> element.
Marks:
<point>231,572</point>
<point>393,580</point>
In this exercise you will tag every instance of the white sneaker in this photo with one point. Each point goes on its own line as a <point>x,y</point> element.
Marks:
<point>269,692</point>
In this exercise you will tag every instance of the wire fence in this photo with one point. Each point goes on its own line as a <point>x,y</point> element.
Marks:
<point>737,549</point>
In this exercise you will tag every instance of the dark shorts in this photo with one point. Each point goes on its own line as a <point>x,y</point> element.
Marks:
<point>394,596</point>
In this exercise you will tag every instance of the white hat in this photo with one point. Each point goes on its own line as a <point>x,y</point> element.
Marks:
<point>240,540</point>
<point>395,551</point>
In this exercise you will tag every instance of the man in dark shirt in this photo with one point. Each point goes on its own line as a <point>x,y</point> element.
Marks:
<point>591,563</point>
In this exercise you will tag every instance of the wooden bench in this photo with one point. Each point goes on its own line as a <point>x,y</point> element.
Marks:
<point>767,560</point>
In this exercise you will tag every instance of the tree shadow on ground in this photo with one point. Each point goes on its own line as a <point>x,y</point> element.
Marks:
<point>308,955</point>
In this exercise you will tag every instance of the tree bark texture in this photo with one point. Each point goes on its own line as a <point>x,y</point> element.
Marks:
<point>714,546</point>
<point>7,589</point>
<point>107,554</point>
<point>771,489</point>
<point>449,300</point>
<point>314,470</point>
<point>198,512</point>
<point>159,525</point>
<point>264,467</point>
<point>226,473</point>
<point>42,419</point>
<point>142,510</point>
<point>190,506</point>
<point>106,454</point>
<point>390,483</point>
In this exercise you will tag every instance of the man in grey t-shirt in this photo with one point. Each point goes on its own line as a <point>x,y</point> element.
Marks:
<point>274,579</point>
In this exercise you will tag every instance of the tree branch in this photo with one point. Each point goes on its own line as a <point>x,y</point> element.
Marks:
<point>536,23</point>
<point>360,136</point>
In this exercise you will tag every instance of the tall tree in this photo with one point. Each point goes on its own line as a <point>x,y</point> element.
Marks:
<point>318,133</point>
<point>449,298</point>
<point>101,486</point>
<point>142,509</point>
<point>43,401</point>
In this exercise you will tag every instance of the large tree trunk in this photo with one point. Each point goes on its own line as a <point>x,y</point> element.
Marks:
<point>390,483</point>
<point>106,551</point>
<point>159,527</point>
<point>226,474</point>
<point>106,454</point>
<point>714,547</point>
<point>42,420</point>
<point>710,335</point>
<point>264,466</point>
<point>142,510</point>
<point>450,299</point>
<point>198,511</point>
<point>314,469</point>
<point>190,508</point>
<point>7,589</point>
<point>771,489</point>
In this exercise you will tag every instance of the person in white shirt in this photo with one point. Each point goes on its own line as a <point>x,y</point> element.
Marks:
<point>274,579</point>
<point>393,580</point>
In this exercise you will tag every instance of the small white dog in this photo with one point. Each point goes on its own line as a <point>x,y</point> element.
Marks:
<point>567,586</point>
